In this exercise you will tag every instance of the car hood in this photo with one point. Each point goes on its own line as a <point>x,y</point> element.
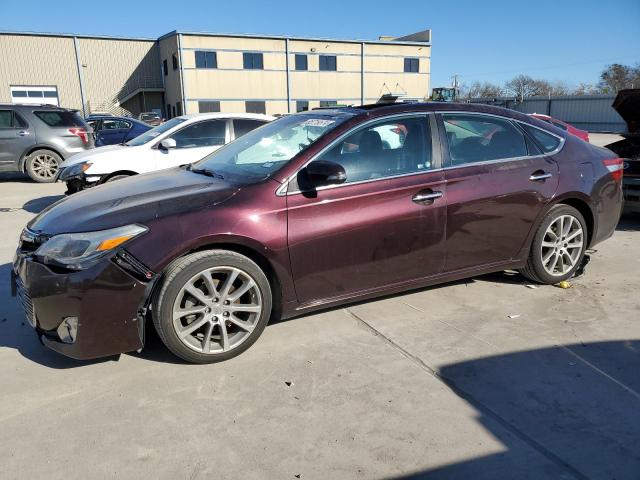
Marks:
<point>627,104</point>
<point>100,153</point>
<point>136,199</point>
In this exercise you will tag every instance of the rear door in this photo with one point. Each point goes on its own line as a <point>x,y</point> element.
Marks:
<point>497,183</point>
<point>15,138</point>
<point>194,142</point>
<point>112,131</point>
<point>383,226</point>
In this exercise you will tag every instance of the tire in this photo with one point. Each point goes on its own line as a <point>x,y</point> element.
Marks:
<point>42,166</point>
<point>185,334</point>
<point>540,265</point>
<point>116,177</point>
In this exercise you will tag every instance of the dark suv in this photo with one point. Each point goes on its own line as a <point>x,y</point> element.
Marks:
<point>313,210</point>
<point>36,139</point>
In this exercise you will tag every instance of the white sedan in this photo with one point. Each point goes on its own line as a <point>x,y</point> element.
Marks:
<point>178,141</point>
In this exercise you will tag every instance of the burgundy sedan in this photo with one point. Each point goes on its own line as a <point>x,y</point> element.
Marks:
<point>310,211</point>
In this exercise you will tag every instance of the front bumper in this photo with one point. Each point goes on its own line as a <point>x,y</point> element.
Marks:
<point>108,301</point>
<point>78,182</point>
<point>631,190</point>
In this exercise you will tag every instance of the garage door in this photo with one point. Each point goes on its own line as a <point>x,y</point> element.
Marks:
<point>35,95</point>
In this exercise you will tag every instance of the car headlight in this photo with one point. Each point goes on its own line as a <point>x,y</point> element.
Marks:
<point>77,251</point>
<point>74,170</point>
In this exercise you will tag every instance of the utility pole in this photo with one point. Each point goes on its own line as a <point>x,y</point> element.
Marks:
<point>455,86</point>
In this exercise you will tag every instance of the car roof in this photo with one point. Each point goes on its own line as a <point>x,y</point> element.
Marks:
<point>39,106</point>
<point>205,116</point>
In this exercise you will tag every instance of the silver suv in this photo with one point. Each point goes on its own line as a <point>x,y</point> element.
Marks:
<point>35,139</point>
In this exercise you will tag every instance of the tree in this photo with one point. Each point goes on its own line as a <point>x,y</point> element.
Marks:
<point>617,77</point>
<point>523,86</point>
<point>483,90</point>
<point>585,89</point>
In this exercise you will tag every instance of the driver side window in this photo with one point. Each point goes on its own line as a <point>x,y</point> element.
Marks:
<point>384,149</point>
<point>202,134</point>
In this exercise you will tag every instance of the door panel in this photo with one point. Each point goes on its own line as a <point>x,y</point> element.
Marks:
<point>492,202</point>
<point>363,236</point>
<point>374,230</point>
<point>15,138</point>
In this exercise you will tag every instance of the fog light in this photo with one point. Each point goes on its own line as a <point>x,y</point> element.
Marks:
<point>68,329</point>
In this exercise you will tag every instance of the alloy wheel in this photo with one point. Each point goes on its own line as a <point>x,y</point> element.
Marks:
<point>44,166</point>
<point>562,245</point>
<point>217,309</point>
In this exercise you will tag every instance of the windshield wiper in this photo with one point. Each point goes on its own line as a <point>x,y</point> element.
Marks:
<point>204,171</point>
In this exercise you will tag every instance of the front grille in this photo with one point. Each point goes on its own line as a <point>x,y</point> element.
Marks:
<point>631,193</point>
<point>25,301</point>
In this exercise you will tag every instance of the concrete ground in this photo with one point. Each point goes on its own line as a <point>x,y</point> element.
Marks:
<point>485,379</point>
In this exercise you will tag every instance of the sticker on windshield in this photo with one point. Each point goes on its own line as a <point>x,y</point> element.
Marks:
<point>317,122</point>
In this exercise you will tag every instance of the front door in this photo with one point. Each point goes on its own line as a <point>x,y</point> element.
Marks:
<point>193,142</point>
<point>497,183</point>
<point>112,131</point>
<point>383,226</point>
<point>15,139</point>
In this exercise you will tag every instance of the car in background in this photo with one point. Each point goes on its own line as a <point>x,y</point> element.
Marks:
<point>179,141</point>
<point>627,104</point>
<point>576,132</point>
<point>285,221</point>
<point>99,114</point>
<point>111,130</point>
<point>35,139</point>
<point>151,118</point>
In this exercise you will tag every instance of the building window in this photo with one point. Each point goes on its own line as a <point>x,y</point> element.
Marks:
<point>34,95</point>
<point>328,63</point>
<point>411,65</point>
<point>208,106</point>
<point>255,106</point>
<point>174,59</point>
<point>252,61</point>
<point>178,109</point>
<point>328,103</point>
<point>302,105</point>
<point>301,62</point>
<point>206,59</point>
<point>165,68</point>
<point>168,113</point>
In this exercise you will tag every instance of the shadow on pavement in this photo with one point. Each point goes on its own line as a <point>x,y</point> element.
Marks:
<point>15,177</point>
<point>38,204</point>
<point>629,223</point>
<point>577,406</point>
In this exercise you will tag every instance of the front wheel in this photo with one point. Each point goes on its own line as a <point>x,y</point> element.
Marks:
<point>212,306</point>
<point>558,246</point>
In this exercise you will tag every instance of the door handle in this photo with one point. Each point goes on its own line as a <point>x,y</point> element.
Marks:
<point>426,196</point>
<point>540,175</point>
<point>22,133</point>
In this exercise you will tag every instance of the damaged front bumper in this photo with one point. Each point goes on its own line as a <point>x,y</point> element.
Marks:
<point>74,312</point>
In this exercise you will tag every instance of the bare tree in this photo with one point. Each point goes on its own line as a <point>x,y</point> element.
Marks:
<point>585,89</point>
<point>482,90</point>
<point>523,86</point>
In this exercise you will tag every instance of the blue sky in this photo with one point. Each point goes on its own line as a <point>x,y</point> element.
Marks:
<point>480,40</point>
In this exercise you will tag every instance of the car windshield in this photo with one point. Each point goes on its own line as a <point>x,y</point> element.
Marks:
<point>265,150</point>
<point>150,116</point>
<point>155,132</point>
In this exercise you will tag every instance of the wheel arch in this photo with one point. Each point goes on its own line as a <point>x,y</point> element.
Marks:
<point>130,173</point>
<point>33,148</point>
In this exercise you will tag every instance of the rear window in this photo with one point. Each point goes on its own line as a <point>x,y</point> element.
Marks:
<point>60,118</point>
<point>547,142</point>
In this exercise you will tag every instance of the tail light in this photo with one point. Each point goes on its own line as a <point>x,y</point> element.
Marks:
<point>615,167</point>
<point>80,132</point>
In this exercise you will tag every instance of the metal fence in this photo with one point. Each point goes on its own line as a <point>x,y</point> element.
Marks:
<point>592,113</point>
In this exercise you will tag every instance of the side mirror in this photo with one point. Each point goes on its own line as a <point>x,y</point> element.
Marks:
<point>167,144</point>
<point>323,172</point>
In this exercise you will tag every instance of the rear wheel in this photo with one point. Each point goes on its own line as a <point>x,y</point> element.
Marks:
<point>212,306</point>
<point>42,166</point>
<point>558,246</point>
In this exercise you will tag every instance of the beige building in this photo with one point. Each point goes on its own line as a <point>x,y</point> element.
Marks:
<point>183,72</point>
